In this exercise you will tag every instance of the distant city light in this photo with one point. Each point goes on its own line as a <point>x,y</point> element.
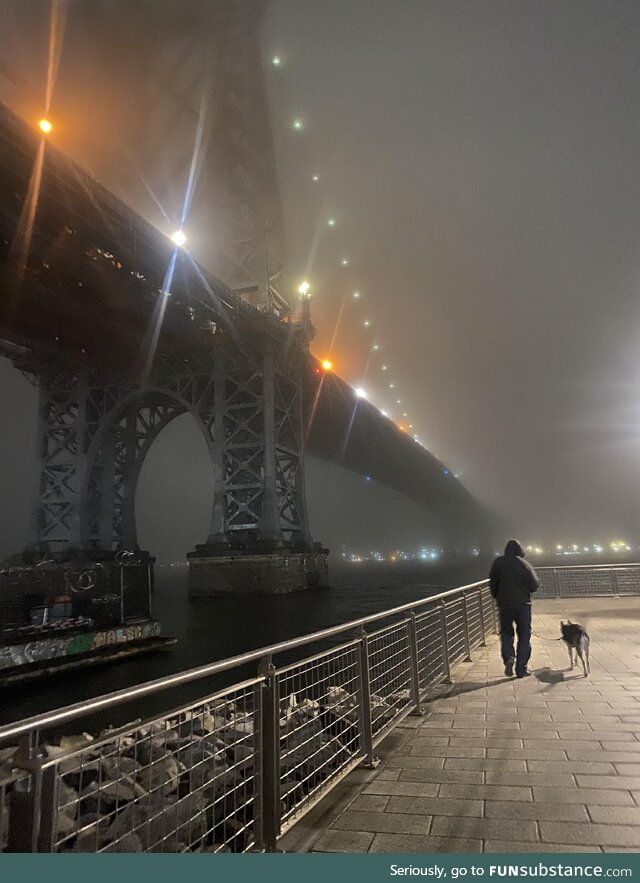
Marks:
<point>384,413</point>
<point>331,222</point>
<point>366,323</point>
<point>356,295</point>
<point>304,289</point>
<point>376,347</point>
<point>276,61</point>
<point>345,262</point>
<point>45,126</point>
<point>392,386</point>
<point>327,364</point>
<point>383,368</point>
<point>361,393</point>
<point>178,238</point>
<point>315,177</point>
<point>398,401</point>
<point>297,124</point>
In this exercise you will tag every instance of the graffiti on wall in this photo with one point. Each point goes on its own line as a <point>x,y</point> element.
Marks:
<point>73,644</point>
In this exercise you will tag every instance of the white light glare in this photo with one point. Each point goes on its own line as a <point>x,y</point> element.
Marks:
<point>304,289</point>
<point>276,61</point>
<point>366,323</point>
<point>315,177</point>
<point>178,238</point>
<point>356,295</point>
<point>344,262</point>
<point>331,222</point>
<point>361,393</point>
<point>297,124</point>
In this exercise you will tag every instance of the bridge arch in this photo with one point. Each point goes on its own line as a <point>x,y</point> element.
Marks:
<point>122,438</point>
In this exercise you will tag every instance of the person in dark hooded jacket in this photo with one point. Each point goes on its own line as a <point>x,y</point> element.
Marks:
<point>513,580</point>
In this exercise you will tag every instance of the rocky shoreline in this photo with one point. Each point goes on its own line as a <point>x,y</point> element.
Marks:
<point>187,783</point>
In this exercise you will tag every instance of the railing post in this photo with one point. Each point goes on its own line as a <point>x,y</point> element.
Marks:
<point>556,582</point>
<point>483,633</point>
<point>445,643</point>
<point>465,623</point>
<point>615,588</point>
<point>49,802</point>
<point>415,669</point>
<point>366,727</point>
<point>24,812</point>
<point>269,741</point>
<point>493,615</point>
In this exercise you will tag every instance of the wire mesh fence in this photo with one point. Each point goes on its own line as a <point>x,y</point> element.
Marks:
<point>589,581</point>
<point>180,783</point>
<point>234,770</point>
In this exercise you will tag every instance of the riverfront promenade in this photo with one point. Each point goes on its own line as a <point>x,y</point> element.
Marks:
<point>550,763</point>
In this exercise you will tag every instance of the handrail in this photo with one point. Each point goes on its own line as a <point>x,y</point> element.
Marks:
<point>613,566</point>
<point>108,700</point>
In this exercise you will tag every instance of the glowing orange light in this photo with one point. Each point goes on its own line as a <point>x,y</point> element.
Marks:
<point>45,126</point>
<point>327,364</point>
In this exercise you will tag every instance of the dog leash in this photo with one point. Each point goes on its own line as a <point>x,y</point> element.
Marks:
<point>540,638</point>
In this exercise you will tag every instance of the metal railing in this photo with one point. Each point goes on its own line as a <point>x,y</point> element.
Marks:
<point>235,770</point>
<point>589,580</point>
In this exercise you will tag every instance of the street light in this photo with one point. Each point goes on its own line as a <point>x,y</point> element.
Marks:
<point>45,126</point>
<point>304,289</point>
<point>178,238</point>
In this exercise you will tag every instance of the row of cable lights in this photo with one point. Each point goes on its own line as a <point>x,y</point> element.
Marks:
<point>179,238</point>
<point>304,290</point>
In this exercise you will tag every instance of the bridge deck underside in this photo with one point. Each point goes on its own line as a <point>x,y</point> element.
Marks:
<point>550,763</point>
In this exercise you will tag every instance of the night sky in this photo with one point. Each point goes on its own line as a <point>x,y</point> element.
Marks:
<point>480,160</point>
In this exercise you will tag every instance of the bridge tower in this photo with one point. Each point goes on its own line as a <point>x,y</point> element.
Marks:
<point>228,352</point>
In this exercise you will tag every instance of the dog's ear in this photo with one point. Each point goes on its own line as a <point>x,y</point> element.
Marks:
<point>561,624</point>
<point>568,622</point>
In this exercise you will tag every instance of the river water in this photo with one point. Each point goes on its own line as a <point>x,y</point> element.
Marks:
<point>210,629</point>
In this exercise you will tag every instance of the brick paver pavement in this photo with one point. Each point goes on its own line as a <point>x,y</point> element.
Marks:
<point>549,763</point>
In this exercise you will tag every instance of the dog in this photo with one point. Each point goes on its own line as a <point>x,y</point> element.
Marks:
<point>576,638</point>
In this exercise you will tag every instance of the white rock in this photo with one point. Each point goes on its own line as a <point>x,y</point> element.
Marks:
<point>73,743</point>
<point>162,775</point>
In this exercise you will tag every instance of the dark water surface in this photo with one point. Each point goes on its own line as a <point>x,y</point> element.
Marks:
<point>210,629</point>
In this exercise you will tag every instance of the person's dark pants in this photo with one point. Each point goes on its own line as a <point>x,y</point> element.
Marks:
<point>521,618</point>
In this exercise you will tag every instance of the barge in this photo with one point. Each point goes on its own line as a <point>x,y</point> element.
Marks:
<point>57,615</point>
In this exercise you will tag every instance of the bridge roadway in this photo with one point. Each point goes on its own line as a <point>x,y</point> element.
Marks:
<point>550,763</point>
<point>93,287</point>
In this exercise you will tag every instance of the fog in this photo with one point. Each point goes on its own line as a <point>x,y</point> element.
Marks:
<point>481,163</point>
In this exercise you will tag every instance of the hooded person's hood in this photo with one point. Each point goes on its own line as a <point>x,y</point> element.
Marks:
<point>513,547</point>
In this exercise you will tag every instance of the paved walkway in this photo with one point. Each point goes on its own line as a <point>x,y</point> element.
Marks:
<point>550,763</point>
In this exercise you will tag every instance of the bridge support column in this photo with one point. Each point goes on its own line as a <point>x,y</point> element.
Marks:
<point>217,535</point>
<point>270,530</point>
<point>63,448</point>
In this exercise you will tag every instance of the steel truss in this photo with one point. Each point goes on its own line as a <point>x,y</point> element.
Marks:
<point>95,434</point>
